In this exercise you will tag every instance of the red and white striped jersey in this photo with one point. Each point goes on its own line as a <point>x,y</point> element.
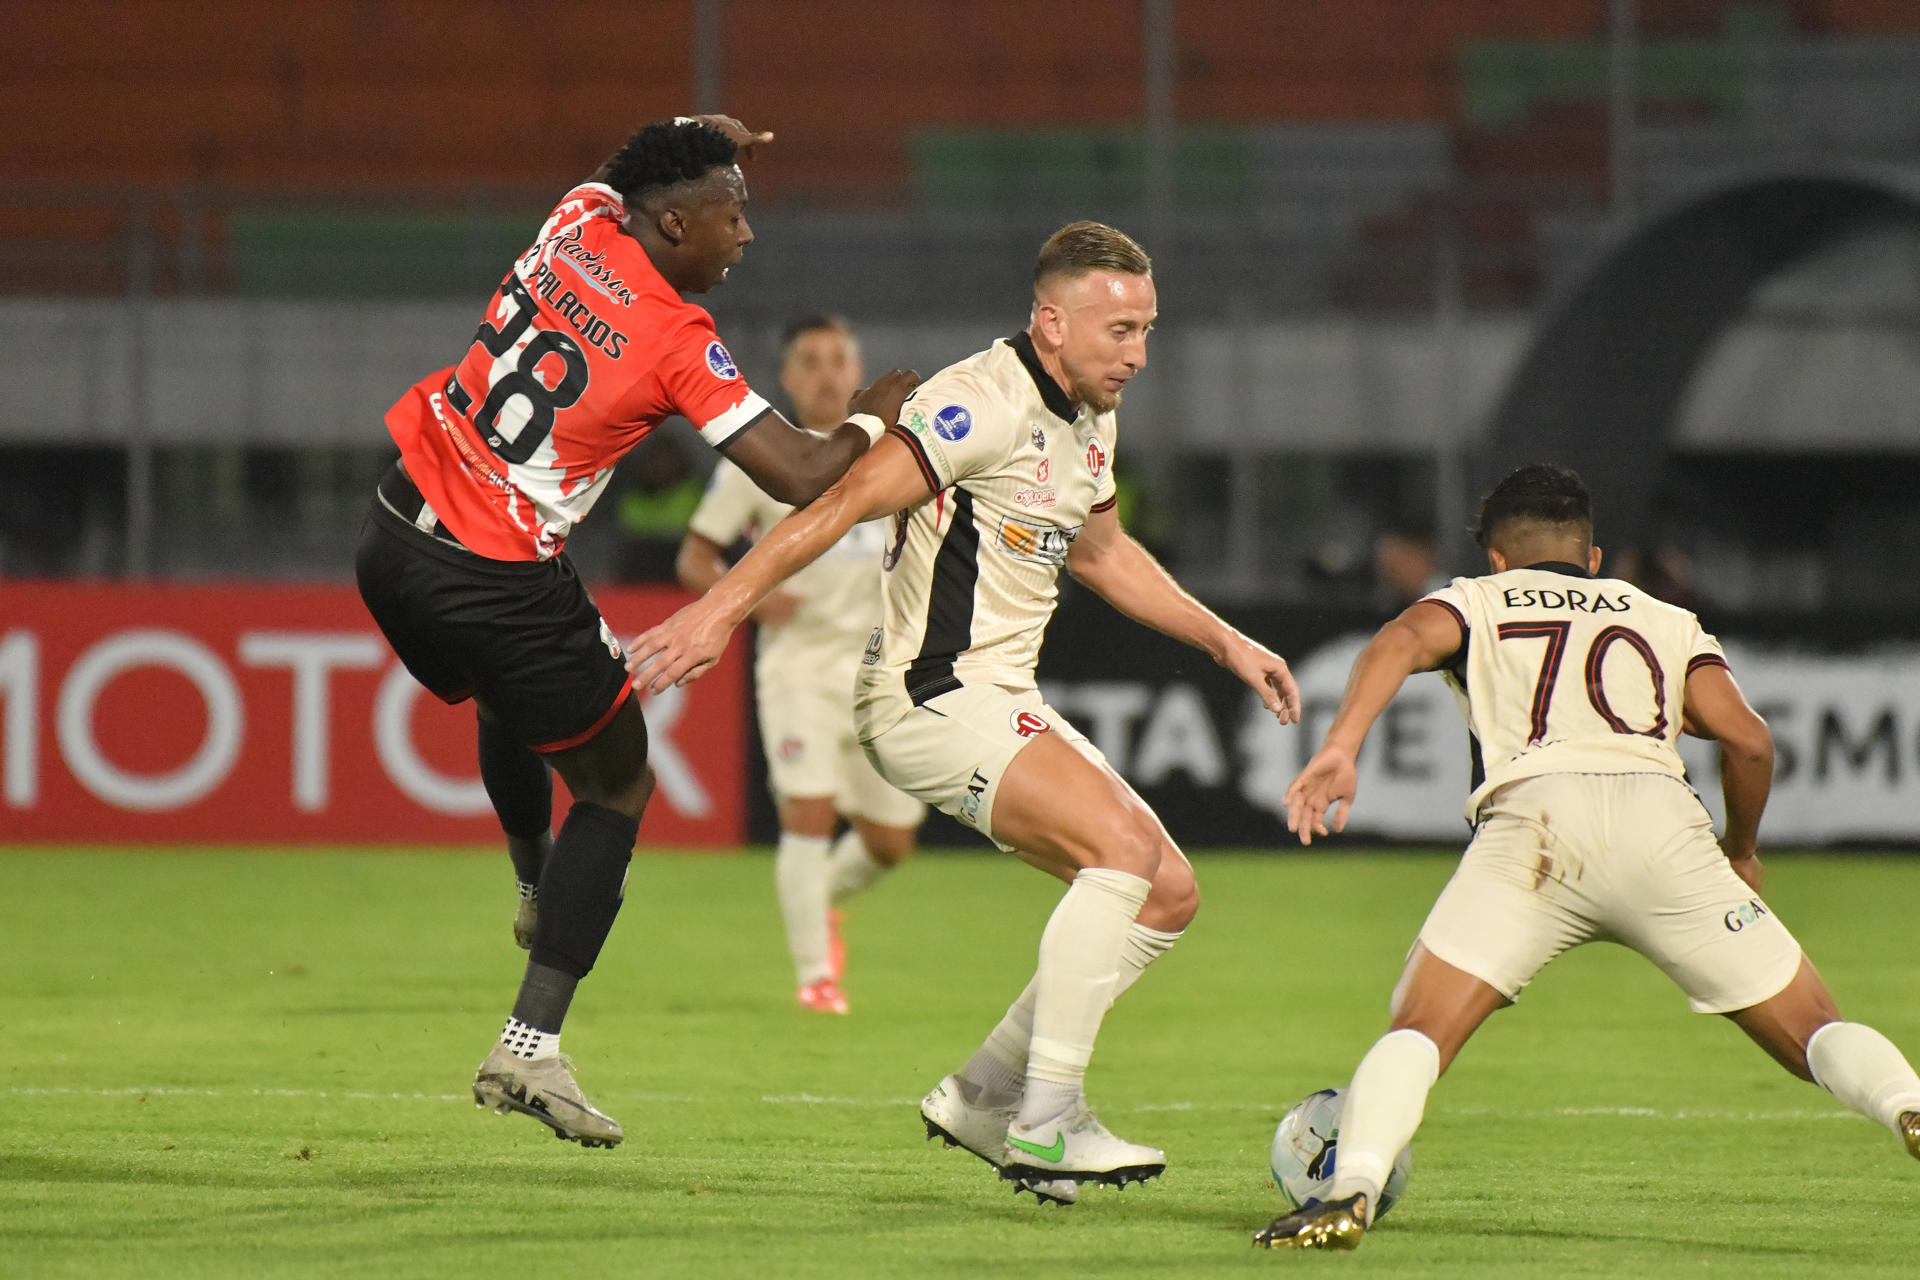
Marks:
<point>583,351</point>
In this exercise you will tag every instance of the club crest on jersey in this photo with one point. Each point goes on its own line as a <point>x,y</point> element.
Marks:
<point>1036,543</point>
<point>721,363</point>
<point>1096,459</point>
<point>1029,725</point>
<point>953,422</point>
<point>1039,437</point>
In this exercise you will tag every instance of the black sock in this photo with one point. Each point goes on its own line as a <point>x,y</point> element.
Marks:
<point>544,996</point>
<point>529,857</point>
<point>580,894</point>
<point>521,790</point>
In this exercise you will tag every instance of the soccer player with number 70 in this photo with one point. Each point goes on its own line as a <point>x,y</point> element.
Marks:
<point>1576,689</point>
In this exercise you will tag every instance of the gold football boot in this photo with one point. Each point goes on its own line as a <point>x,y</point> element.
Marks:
<point>1910,1131</point>
<point>1338,1224</point>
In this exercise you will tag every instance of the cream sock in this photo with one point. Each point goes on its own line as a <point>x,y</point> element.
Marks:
<point>800,877</point>
<point>850,867</point>
<point>1078,973</point>
<point>1383,1108</point>
<point>1861,1067</point>
<point>996,1074</point>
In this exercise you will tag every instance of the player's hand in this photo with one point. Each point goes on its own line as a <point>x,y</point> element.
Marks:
<point>745,140</point>
<point>777,610</point>
<point>1747,867</point>
<point>884,398</point>
<point>680,649</point>
<point>1323,791</point>
<point>1267,674</point>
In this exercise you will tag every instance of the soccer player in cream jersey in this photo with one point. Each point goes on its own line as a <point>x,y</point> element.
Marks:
<point>1000,474</point>
<point>1576,690</point>
<point>812,633</point>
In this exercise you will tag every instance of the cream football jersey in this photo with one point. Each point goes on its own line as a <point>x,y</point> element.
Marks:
<point>839,592</point>
<point>972,574</point>
<point>1559,672</point>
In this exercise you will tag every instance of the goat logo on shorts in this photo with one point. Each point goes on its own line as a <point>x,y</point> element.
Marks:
<point>1029,725</point>
<point>953,422</point>
<point>791,749</point>
<point>721,363</point>
<point>1096,459</point>
<point>1748,912</point>
<point>970,802</point>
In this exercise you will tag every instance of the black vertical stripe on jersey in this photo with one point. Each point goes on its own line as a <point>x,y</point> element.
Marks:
<point>956,571</point>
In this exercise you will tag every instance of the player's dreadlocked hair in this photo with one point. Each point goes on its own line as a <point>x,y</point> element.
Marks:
<point>1540,493</point>
<point>663,155</point>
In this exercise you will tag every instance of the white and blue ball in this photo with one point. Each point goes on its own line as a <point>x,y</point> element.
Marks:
<point>1306,1145</point>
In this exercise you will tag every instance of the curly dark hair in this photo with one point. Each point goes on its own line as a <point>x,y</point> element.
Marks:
<point>667,154</point>
<point>1540,493</point>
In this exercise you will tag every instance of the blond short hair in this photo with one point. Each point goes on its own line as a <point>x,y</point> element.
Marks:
<point>1080,247</point>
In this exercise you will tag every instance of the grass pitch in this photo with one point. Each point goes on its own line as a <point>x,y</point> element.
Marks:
<point>257,1064</point>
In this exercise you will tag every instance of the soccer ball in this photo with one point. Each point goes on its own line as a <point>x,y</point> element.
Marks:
<point>1304,1147</point>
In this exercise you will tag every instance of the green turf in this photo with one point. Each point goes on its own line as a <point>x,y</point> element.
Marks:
<point>230,1064</point>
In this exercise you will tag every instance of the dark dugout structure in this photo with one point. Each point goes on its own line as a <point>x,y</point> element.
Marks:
<point>1602,383</point>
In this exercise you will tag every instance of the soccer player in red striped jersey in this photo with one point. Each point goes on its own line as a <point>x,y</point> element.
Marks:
<point>586,347</point>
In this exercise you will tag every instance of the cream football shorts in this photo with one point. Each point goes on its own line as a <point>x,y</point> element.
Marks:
<point>806,727</point>
<point>952,750</point>
<point>1631,858</point>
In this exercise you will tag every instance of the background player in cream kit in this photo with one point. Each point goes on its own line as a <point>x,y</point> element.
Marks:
<point>811,635</point>
<point>1001,473</point>
<point>1576,690</point>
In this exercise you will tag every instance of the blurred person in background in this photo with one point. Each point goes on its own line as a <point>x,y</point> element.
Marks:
<point>1406,564</point>
<point>585,348</point>
<point>656,494</point>
<point>812,632</point>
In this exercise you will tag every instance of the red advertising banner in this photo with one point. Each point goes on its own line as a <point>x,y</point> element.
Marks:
<point>273,713</point>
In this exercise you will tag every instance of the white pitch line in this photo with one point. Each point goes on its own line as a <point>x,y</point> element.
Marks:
<point>877,1104</point>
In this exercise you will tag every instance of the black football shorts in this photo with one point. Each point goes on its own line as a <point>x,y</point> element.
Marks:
<point>523,637</point>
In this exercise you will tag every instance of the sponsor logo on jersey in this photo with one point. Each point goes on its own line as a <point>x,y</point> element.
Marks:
<point>929,439</point>
<point>1036,497</point>
<point>720,362</point>
<point>953,422</point>
<point>1748,912</point>
<point>1096,459</point>
<point>1044,470</point>
<point>1029,725</point>
<point>593,267</point>
<point>1036,543</point>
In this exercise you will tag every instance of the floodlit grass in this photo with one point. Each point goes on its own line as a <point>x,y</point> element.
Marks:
<point>257,1064</point>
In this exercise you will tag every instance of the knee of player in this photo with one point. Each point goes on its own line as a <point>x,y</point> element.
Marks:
<point>1134,847</point>
<point>631,799</point>
<point>1175,899</point>
<point>889,845</point>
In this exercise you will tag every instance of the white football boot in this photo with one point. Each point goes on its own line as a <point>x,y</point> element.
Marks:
<point>983,1131</point>
<point>1077,1147</point>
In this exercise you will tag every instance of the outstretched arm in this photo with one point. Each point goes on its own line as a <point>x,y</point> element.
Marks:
<point>1107,559</point>
<point>1420,639</point>
<point>1715,708</point>
<point>795,466</point>
<point>886,480</point>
